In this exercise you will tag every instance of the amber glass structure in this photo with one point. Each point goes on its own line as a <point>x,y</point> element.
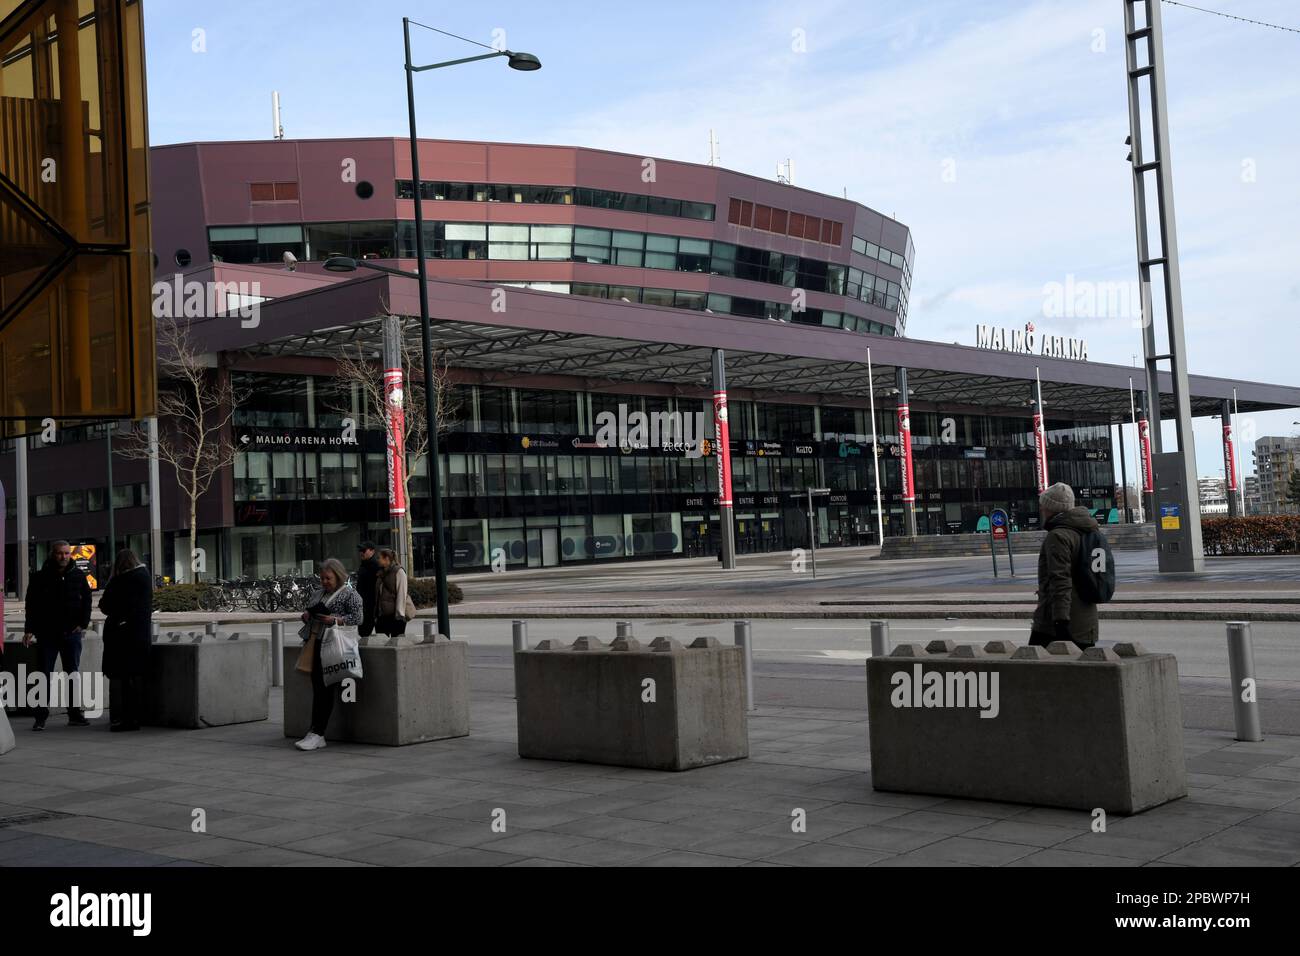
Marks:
<point>76,326</point>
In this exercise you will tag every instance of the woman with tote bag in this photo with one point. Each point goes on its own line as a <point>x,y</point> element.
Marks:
<point>393,605</point>
<point>333,604</point>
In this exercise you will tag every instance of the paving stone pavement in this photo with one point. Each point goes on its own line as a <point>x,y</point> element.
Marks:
<point>80,797</point>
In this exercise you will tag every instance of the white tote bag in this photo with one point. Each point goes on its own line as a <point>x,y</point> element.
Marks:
<point>6,733</point>
<point>340,654</point>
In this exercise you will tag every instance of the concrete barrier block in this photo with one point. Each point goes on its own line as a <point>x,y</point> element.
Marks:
<point>550,644</point>
<point>968,651</point>
<point>1064,649</point>
<point>663,707</point>
<point>940,647</point>
<point>410,693</point>
<point>1130,649</point>
<point>625,644</point>
<point>909,650</point>
<point>588,643</point>
<point>1000,647</point>
<point>705,642</point>
<point>211,683</point>
<point>92,659</point>
<point>1084,730</point>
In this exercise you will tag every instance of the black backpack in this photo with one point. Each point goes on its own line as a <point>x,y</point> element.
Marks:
<point>1095,586</point>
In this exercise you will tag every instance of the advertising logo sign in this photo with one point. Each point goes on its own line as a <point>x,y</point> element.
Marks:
<point>1229,458</point>
<point>723,433</point>
<point>1040,452</point>
<point>1144,444</point>
<point>395,443</point>
<point>905,453</point>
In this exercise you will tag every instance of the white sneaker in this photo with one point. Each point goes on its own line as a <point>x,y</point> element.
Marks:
<point>312,741</point>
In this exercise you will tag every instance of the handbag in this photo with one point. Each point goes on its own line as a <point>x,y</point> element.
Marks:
<point>307,656</point>
<point>409,609</point>
<point>340,655</point>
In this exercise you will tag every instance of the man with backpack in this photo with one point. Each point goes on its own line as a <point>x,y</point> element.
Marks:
<point>1076,571</point>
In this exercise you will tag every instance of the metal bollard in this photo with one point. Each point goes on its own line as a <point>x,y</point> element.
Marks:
<point>154,630</point>
<point>745,641</point>
<point>429,633</point>
<point>622,629</point>
<point>277,653</point>
<point>210,628</point>
<point>879,638</point>
<point>1241,667</point>
<point>519,632</point>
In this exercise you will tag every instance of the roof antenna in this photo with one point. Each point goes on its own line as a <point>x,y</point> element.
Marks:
<point>278,131</point>
<point>713,149</point>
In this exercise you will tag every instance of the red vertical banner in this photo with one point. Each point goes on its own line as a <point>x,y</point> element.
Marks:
<point>905,452</point>
<point>1040,452</point>
<point>1144,446</point>
<point>1229,458</point>
<point>395,444</point>
<point>722,431</point>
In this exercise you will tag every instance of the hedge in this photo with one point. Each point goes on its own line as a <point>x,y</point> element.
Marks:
<point>178,597</point>
<point>1252,534</point>
<point>424,592</point>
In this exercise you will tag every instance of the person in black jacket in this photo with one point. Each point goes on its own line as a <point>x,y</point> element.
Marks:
<point>128,635</point>
<point>57,612</point>
<point>367,576</point>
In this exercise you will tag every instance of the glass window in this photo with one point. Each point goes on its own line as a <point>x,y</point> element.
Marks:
<point>71,503</point>
<point>470,231</point>
<point>624,293</point>
<point>549,233</point>
<point>46,505</point>
<point>697,210</point>
<point>663,207</point>
<point>657,297</point>
<point>690,300</point>
<point>96,499</point>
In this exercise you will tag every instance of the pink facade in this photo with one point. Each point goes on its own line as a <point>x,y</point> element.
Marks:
<point>201,185</point>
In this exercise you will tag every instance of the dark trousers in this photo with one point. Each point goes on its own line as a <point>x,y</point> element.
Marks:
<point>322,697</point>
<point>128,694</point>
<point>391,625</point>
<point>67,650</point>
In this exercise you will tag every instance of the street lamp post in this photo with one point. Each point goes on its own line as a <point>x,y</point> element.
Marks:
<point>517,61</point>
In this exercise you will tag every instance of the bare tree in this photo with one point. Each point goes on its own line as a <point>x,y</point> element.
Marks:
<point>195,406</point>
<point>366,375</point>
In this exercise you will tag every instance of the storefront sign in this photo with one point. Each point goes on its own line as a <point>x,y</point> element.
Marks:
<point>298,439</point>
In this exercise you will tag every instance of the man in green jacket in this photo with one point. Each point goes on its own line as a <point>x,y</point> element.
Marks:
<point>1062,615</point>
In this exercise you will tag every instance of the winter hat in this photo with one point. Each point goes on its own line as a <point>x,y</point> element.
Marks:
<point>1056,499</point>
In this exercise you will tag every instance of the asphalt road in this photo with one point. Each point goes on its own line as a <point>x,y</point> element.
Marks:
<point>848,574</point>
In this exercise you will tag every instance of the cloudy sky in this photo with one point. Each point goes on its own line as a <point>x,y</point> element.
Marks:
<point>995,130</point>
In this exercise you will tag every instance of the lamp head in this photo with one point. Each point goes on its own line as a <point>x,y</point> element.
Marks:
<point>523,61</point>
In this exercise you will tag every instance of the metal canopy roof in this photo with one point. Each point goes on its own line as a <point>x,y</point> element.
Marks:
<point>602,342</point>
